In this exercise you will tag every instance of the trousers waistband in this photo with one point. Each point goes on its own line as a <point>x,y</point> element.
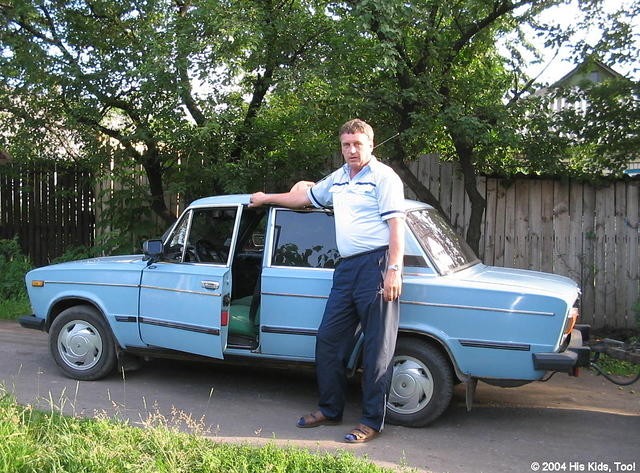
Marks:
<point>375,250</point>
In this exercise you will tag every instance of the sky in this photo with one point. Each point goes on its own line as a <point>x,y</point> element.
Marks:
<point>559,66</point>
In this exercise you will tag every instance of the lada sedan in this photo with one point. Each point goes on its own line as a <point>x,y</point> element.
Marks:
<point>230,281</point>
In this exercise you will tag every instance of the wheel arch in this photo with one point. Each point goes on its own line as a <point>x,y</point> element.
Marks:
<point>435,342</point>
<point>355,360</point>
<point>65,303</point>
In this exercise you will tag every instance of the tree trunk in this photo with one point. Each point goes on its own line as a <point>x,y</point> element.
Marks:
<point>153,170</point>
<point>478,203</point>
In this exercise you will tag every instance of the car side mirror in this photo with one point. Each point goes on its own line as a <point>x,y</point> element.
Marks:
<point>152,249</point>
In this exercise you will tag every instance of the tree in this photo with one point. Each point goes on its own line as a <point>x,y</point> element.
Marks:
<point>150,83</point>
<point>445,87</point>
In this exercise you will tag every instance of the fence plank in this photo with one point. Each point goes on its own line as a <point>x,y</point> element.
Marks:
<point>489,221</point>
<point>609,260</point>
<point>546,257</point>
<point>620,316</point>
<point>587,301</point>
<point>521,238</point>
<point>560,227</point>
<point>631,231</point>
<point>599,259</point>
<point>446,179</point>
<point>535,225</point>
<point>509,226</point>
<point>499,225</point>
<point>574,243</point>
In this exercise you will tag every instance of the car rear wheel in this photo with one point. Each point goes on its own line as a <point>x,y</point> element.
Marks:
<point>422,384</point>
<point>81,343</point>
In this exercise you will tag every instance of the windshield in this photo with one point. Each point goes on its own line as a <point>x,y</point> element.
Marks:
<point>447,250</point>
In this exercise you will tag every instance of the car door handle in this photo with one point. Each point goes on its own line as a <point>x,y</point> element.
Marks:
<point>210,285</point>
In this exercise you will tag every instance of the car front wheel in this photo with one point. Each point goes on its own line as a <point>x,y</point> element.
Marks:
<point>422,384</point>
<point>81,343</point>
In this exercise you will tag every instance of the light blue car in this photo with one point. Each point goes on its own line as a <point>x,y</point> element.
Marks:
<point>233,281</point>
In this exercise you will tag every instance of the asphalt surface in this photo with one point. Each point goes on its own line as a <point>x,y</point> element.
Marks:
<point>567,424</point>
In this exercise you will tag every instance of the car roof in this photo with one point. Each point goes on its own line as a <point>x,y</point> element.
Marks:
<point>235,199</point>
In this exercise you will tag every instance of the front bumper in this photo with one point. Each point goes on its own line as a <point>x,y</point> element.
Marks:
<point>576,355</point>
<point>31,321</point>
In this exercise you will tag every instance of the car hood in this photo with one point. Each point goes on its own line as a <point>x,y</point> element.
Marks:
<point>100,261</point>
<point>521,278</point>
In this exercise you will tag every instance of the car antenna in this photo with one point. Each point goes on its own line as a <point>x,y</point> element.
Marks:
<point>388,139</point>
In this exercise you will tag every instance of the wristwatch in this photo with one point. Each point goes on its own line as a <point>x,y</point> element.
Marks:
<point>393,267</point>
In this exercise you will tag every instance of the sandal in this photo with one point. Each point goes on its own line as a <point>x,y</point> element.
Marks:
<point>316,419</point>
<point>360,434</point>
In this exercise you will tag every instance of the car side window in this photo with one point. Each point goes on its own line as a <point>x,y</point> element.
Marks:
<point>204,237</point>
<point>304,239</point>
<point>210,235</point>
<point>413,254</point>
<point>174,246</point>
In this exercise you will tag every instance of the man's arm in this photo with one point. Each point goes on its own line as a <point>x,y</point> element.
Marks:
<point>295,199</point>
<point>393,279</point>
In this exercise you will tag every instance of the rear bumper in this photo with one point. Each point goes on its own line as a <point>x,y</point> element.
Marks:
<point>576,355</point>
<point>31,321</point>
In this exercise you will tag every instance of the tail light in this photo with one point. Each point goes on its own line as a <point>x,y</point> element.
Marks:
<point>574,313</point>
<point>224,318</point>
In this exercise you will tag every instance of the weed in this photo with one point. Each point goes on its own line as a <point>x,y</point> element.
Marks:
<point>35,441</point>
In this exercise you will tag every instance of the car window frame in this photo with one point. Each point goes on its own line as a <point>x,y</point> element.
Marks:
<point>271,228</point>
<point>234,236</point>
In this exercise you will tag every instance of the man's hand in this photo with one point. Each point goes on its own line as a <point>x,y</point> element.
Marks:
<point>293,200</point>
<point>257,199</point>
<point>392,285</point>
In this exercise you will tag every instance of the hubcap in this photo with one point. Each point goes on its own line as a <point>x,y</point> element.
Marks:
<point>79,345</point>
<point>411,385</point>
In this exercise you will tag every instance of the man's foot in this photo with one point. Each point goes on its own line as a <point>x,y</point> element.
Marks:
<point>360,434</point>
<point>316,419</point>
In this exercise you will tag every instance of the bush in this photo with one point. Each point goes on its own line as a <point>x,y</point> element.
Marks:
<point>13,266</point>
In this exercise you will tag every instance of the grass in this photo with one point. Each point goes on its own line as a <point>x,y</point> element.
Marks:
<point>13,308</point>
<point>615,367</point>
<point>40,442</point>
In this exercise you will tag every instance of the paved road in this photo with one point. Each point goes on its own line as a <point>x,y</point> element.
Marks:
<point>578,420</point>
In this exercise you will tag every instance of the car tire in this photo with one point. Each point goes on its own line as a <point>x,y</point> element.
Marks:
<point>81,343</point>
<point>422,384</point>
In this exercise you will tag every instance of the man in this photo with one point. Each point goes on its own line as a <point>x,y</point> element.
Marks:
<point>368,201</point>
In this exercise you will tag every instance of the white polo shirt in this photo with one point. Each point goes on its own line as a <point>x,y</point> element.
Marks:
<point>361,205</point>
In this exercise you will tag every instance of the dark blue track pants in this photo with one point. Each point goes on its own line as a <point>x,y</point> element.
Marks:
<point>356,298</point>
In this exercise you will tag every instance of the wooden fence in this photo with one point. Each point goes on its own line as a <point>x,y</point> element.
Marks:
<point>48,206</point>
<point>587,232</point>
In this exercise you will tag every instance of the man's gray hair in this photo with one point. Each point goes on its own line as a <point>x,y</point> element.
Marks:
<point>356,126</point>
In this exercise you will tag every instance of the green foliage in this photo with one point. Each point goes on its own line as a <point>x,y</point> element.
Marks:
<point>217,97</point>
<point>11,309</point>
<point>616,367</point>
<point>13,266</point>
<point>34,441</point>
<point>597,133</point>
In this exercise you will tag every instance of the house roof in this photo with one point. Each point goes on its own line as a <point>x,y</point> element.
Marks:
<point>582,69</point>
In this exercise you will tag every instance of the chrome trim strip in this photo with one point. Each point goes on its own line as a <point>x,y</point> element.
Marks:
<point>126,318</point>
<point>87,283</point>
<point>418,274</point>
<point>489,309</point>
<point>305,268</point>
<point>495,345</point>
<point>185,291</point>
<point>288,330</point>
<point>308,296</point>
<point>179,326</point>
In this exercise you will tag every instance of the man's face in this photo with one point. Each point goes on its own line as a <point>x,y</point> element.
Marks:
<point>356,149</point>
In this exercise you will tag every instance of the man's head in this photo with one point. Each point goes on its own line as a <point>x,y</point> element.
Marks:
<point>356,142</point>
